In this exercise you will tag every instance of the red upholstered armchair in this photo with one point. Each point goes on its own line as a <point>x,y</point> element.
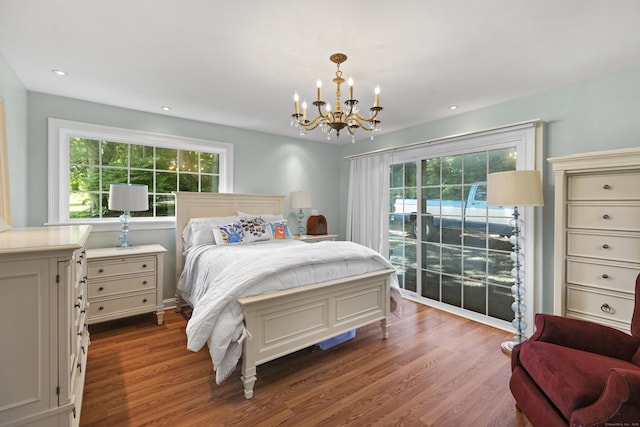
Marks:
<point>578,373</point>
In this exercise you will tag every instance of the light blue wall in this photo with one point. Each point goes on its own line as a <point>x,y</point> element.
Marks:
<point>600,114</point>
<point>15,99</point>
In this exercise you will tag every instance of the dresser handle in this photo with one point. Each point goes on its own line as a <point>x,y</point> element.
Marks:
<point>605,246</point>
<point>79,365</point>
<point>144,282</point>
<point>144,300</point>
<point>144,265</point>
<point>605,216</point>
<point>77,305</point>
<point>101,271</point>
<point>607,308</point>
<point>605,276</point>
<point>101,308</point>
<point>101,288</point>
<point>606,187</point>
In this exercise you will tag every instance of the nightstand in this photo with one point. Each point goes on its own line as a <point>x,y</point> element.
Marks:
<point>313,239</point>
<point>124,282</point>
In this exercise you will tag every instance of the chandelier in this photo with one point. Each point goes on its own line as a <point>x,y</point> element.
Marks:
<point>345,116</point>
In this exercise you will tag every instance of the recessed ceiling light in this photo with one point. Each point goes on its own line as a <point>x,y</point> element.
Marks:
<point>59,72</point>
<point>452,107</point>
<point>165,108</point>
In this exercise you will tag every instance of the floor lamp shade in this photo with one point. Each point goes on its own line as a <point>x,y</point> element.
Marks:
<point>127,198</point>
<point>516,188</point>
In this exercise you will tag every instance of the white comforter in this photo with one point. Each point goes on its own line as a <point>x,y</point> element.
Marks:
<point>215,277</point>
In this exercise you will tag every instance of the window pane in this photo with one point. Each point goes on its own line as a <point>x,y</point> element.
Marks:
<point>84,151</point>
<point>188,161</point>
<point>115,154</point>
<point>83,204</point>
<point>166,159</point>
<point>502,160</point>
<point>188,182</point>
<point>209,183</point>
<point>431,285</point>
<point>166,182</point>
<point>452,260</point>
<point>500,300</point>
<point>113,176</point>
<point>475,167</point>
<point>452,170</point>
<point>165,205</point>
<point>84,178</point>
<point>209,163</point>
<point>452,290</point>
<point>142,177</point>
<point>396,175</point>
<point>475,296</point>
<point>431,171</point>
<point>142,156</point>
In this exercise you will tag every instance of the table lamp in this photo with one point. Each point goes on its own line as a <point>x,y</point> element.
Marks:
<point>127,198</point>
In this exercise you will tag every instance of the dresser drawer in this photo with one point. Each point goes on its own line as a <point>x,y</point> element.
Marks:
<point>101,288</point>
<point>604,217</point>
<point>619,186</point>
<point>615,247</point>
<point>121,266</point>
<point>116,305</point>
<point>602,305</point>
<point>605,276</point>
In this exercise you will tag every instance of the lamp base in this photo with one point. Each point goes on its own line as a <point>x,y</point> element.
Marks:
<point>507,347</point>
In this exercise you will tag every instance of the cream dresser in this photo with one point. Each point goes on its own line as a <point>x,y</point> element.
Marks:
<point>125,281</point>
<point>597,235</point>
<point>43,331</point>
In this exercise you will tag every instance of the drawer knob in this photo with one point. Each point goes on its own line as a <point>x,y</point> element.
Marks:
<point>77,305</point>
<point>606,187</point>
<point>144,282</point>
<point>101,270</point>
<point>144,265</point>
<point>605,216</point>
<point>101,308</point>
<point>605,246</point>
<point>101,288</point>
<point>144,300</point>
<point>605,276</point>
<point>607,308</point>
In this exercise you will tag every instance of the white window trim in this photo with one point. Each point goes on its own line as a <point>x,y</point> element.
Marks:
<point>61,130</point>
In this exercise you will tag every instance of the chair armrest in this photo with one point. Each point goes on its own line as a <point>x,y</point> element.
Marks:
<point>619,404</point>
<point>585,336</point>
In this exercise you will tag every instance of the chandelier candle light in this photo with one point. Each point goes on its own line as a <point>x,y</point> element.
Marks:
<point>516,188</point>
<point>127,198</point>
<point>330,121</point>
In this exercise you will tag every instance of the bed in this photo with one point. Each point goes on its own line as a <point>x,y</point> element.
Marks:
<point>264,318</point>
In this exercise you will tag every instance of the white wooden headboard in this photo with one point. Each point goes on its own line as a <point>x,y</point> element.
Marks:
<point>201,205</point>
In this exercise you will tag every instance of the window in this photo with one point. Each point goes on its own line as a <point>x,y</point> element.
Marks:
<point>85,159</point>
<point>450,249</point>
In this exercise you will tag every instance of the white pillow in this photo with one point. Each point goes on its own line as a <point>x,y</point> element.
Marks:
<point>199,231</point>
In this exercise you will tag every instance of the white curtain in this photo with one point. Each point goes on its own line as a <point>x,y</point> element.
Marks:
<point>368,202</point>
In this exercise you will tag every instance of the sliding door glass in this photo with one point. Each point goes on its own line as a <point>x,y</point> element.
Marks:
<point>446,243</point>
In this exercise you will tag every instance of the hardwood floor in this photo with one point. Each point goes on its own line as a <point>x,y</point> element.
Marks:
<point>436,369</point>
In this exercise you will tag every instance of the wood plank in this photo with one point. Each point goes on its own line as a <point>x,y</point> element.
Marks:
<point>436,369</point>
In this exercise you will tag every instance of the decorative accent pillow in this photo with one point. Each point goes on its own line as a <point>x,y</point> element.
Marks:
<point>227,234</point>
<point>280,230</point>
<point>255,229</point>
<point>265,216</point>
<point>198,231</point>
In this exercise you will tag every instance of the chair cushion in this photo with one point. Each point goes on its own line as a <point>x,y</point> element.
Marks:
<point>570,378</point>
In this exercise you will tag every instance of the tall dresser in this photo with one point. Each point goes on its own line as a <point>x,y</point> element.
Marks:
<point>597,235</point>
<point>43,331</point>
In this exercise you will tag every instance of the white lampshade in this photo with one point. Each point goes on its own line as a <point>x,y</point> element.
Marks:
<point>128,197</point>
<point>300,200</point>
<point>514,188</point>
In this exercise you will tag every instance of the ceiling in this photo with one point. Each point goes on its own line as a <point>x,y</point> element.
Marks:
<point>238,63</point>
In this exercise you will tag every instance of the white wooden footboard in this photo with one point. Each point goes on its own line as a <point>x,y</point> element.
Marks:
<point>283,322</point>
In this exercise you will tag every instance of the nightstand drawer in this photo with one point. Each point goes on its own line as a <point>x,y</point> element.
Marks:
<point>101,288</point>
<point>121,266</point>
<point>124,304</point>
<point>619,186</point>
